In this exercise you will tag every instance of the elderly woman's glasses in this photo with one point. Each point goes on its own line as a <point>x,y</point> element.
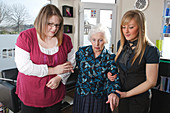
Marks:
<point>52,25</point>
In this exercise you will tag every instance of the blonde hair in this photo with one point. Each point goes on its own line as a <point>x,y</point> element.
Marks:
<point>143,41</point>
<point>41,21</point>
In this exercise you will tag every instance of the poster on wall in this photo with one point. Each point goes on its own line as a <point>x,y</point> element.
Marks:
<point>67,11</point>
<point>93,13</point>
<point>67,28</point>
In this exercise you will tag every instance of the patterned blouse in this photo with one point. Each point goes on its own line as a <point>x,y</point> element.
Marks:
<point>92,78</point>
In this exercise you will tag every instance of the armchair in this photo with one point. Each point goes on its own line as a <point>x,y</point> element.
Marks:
<point>7,90</point>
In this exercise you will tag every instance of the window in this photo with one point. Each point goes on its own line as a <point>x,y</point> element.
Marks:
<point>18,15</point>
<point>15,16</point>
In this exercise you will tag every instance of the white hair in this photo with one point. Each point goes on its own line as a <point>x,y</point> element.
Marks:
<point>99,28</point>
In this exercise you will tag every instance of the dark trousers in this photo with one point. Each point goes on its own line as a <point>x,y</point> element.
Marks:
<point>52,109</point>
<point>136,104</point>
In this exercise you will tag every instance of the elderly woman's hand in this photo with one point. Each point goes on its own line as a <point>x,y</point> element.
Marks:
<point>113,99</point>
<point>111,78</point>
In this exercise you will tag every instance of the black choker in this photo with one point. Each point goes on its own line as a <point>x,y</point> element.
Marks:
<point>134,43</point>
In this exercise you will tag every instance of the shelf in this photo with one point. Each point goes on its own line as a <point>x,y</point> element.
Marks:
<point>165,35</point>
<point>164,60</point>
<point>161,93</point>
<point>166,16</point>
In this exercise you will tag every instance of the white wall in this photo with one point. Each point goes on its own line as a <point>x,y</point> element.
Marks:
<point>153,14</point>
<point>71,21</point>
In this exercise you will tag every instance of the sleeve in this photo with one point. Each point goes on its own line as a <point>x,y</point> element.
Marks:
<point>24,41</point>
<point>78,58</point>
<point>152,55</point>
<point>115,85</point>
<point>70,58</point>
<point>26,66</point>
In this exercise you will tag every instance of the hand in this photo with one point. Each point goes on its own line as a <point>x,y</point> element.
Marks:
<point>111,78</point>
<point>113,99</point>
<point>64,68</point>
<point>54,82</point>
<point>122,94</point>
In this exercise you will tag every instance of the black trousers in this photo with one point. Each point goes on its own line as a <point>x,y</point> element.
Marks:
<point>136,104</point>
<point>52,109</point>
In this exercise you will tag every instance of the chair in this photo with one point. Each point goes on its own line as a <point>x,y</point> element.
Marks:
<point>70,85</point>
<point>71,82</point>
<point>7,90</point>
<point>8,87</point>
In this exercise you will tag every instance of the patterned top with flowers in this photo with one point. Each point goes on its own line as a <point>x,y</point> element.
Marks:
<point>92,78</point>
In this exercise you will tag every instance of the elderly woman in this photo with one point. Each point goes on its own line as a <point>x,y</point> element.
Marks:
<point>93,89</point>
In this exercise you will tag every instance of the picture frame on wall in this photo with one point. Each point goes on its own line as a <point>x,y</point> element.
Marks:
<point>68,29</point>
<point>67,11</point>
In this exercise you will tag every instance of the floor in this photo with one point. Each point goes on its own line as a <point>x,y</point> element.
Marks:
<point>69,109</point>
<point>69,99</point>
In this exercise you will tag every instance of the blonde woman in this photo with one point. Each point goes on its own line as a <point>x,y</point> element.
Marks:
<point>137,59</point>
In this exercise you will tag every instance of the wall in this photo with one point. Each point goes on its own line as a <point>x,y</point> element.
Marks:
<point>153,15</point>
<point>70,21</point>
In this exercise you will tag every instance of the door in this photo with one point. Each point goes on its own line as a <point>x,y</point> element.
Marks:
<point>94,13</point>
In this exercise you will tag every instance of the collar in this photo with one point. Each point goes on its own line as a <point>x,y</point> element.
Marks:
<point>134,43</point>
<point>91,53</point>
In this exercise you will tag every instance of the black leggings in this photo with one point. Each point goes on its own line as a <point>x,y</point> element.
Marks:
<point>52,109</point>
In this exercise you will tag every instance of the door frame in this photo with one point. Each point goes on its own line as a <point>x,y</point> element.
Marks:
<point>98,6</point>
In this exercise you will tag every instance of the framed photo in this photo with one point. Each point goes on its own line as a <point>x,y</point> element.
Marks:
<point>67,28</point>
<point>67,11</point>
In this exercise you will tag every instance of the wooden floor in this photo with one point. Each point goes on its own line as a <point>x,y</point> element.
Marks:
<point>69,108</point>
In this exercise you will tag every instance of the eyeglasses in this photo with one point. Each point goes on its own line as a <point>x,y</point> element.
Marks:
<point>52,25</point>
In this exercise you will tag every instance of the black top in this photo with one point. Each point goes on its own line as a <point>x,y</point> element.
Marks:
<point>133,75</point>
<point>92,77</point>
<point>150,56</point>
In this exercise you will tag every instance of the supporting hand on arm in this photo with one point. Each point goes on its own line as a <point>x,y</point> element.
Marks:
<point>111,78</point>
<point>59,69</point>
